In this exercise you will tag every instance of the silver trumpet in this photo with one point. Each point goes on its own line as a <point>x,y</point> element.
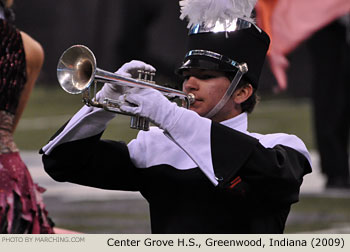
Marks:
<point>77,74</point>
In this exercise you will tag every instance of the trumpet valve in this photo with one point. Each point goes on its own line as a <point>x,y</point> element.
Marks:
<point>146,75</point>
<point>151,77</point>
<point>140,123</point>
<point>140,72</point>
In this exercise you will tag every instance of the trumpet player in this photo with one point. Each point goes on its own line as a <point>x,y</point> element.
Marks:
<point>200,169</point>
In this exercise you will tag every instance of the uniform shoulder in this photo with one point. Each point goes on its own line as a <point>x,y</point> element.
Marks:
<point>289,140</point>
<point>275,138</point>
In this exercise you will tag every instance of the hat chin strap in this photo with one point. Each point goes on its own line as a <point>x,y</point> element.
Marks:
<point>242,69</point>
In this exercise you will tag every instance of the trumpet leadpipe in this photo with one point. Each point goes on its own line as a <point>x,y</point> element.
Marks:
<point>112,78</point>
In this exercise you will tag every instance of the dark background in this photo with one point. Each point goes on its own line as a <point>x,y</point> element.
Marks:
<point>119,30</point>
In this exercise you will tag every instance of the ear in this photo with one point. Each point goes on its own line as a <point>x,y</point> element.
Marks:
<point>242,94</point>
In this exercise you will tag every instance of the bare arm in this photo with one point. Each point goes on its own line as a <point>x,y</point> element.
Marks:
<point>34,60</point>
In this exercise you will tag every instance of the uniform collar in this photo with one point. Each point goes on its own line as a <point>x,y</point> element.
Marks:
<point>239,122</point>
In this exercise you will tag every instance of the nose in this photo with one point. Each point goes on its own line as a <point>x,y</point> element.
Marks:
<point>191,84</point>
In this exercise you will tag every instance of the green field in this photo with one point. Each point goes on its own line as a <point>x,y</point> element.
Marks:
<point>320,214</point>
<point>48,109</point>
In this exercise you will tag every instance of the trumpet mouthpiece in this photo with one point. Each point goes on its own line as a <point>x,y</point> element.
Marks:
<point>191,98</point>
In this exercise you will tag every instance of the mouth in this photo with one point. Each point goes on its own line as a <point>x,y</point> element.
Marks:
<point>196,102</point>
<point>193,99</point>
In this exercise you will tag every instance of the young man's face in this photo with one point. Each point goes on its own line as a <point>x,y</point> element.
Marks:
<point>208,87</point>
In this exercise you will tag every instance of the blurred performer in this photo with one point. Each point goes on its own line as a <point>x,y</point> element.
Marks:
<point>200,170</point>
<point>135,45</point>
<point>330,51</point>
<point>21,58</point>
<point>326,30</point>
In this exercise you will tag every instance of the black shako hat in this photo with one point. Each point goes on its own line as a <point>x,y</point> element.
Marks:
<point>223,44</point>
<point>222,51</point>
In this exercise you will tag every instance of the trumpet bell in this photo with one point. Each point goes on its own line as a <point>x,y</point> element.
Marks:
<point>76,69</point>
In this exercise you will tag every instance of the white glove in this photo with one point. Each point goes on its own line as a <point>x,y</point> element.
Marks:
<point>150,103</point>
<point>184,127</point>
<point>129,69</point>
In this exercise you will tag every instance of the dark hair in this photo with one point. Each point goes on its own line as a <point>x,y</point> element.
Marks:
<point>9,14</point>
<point>249,104</point>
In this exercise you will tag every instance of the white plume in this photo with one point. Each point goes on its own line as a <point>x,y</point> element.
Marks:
<point>209,12</point>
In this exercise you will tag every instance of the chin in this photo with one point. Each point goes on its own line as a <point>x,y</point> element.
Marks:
<point>198,111</point>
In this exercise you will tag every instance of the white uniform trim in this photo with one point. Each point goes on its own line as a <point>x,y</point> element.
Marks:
<point>193,136</point>
<point>87,122</point>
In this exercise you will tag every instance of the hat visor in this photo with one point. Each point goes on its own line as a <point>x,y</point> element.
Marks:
<point>204,63</point>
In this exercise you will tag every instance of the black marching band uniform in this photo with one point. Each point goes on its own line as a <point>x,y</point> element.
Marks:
<point>201,176</point>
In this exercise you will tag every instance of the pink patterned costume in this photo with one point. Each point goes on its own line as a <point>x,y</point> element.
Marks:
<point>21,206</point>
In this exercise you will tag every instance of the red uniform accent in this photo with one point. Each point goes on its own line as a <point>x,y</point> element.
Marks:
<point>234,182</point>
